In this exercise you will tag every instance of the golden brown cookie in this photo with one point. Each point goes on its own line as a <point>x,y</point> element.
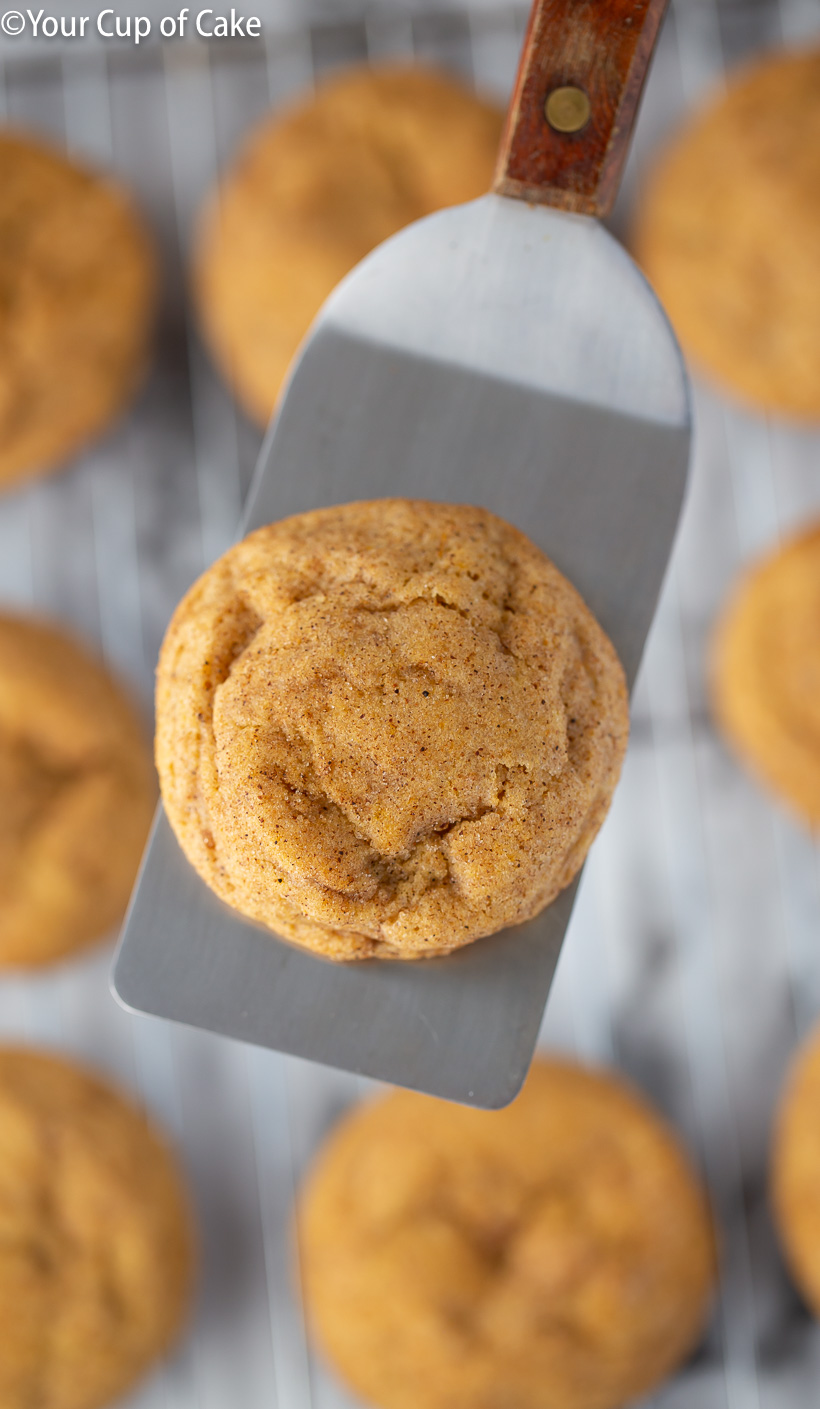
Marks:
<point>77,303</point>
<point>385,729</point>
<point>766,671</point>
<point>796,1171</point>
<point>95,1238</point>
<point>77,789</point>
<point>317,187</point>
<point>729,234</point>
<point>558,1254</point>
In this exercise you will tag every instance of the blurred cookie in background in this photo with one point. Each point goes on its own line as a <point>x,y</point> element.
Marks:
<point>315,188</point>
<point>559,1252</point>
<point>96,1245</point>
<point>796,1171</point>
<point>77,791</point>
<point>77,306</point>
<point>728,232</point>
<point>766,671</point>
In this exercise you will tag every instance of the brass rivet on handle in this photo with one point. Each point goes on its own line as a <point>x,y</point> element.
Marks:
<point>567,109</point>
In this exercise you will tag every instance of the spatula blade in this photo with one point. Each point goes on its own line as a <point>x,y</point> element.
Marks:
<point>493,354</point>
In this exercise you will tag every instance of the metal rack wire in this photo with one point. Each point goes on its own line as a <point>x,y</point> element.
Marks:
<point>692,961</point>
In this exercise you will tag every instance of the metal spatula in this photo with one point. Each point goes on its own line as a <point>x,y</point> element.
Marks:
<point>505,353</point>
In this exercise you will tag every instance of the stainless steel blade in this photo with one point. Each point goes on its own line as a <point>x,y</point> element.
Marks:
<point>494,354</point>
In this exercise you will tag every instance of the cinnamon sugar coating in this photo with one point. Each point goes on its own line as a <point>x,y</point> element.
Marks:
<point>386,729</point>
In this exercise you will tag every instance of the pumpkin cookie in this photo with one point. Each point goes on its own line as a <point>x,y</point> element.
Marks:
<point>557,1253</point>
<point>766,671</point>
<point>796,1172</point>
<point>385,729</point>
<point>95,1238</point>
<point>317,187</point>
<point>78,792</point>
<point>77,302</point>
<point>729,234</point>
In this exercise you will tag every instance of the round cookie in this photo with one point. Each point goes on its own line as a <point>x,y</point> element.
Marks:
<point>78,793</point>
<point>796,1171</point>
<point>77,303</point>
<point>766,671</point>
<point>317,187</point>
<point>95,1238</point>
<point>729,234</point>
<point>554,1255</point>
<point>385,729</point>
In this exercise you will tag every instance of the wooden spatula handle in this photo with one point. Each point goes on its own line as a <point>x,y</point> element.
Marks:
<point>575,100</point>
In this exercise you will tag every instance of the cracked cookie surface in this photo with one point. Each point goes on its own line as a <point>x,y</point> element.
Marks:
<point>77,789</point>
<point>558,1254</point>
<point>386,729</point>
<point>313,191</point>
<point>77,305</point>
<point>728,231</point>
<point>95,1238</point>
<point>766,671</point>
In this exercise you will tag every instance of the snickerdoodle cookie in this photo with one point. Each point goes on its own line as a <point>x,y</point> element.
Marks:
<point>385,729</point>
<point>77,791</point>
<point>729,234</point>
<point>558,1254</point>
<point>766,671</point>
<point>796,1171</point>
<point>95,1238</point>
<point>77,302</point>
<point>317,187</point>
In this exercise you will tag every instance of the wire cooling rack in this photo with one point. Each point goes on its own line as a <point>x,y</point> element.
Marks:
<point>692,961</point>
